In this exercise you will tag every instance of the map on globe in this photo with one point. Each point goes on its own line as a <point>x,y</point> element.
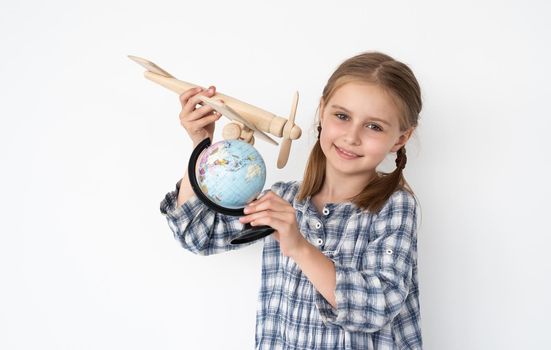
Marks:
<point>231,173</point>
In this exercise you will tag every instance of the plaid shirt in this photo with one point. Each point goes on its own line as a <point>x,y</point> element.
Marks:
<point>375,258</point>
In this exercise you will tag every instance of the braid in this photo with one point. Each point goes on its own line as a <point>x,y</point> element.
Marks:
<point>401,159</point>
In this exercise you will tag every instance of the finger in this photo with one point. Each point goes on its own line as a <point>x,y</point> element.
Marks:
<point>270,201</point>
<point>280,225</point>
<point>267,216</point>
<point>263,197</point>
<point>195,100</point>
<point>199,124</point>
<point>251,217</point>
<point>271,205</point>
<point>269,194</point>
<point>186,95</point>
<point>199,113</point>
<point>203,122</point>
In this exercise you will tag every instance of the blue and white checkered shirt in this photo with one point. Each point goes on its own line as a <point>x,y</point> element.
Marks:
<point>375,258</point>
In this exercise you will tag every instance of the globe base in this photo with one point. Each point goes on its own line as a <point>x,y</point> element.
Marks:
<point>250,234</point>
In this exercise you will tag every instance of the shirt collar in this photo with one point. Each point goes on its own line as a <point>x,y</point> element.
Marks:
<point>344,208</point>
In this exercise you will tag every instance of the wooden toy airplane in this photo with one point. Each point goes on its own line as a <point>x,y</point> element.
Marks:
<point>246,119</point>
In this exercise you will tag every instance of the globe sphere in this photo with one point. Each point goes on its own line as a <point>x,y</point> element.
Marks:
<point>231,173</point>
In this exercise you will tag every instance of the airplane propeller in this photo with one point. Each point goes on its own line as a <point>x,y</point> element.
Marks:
<point>290,132</point>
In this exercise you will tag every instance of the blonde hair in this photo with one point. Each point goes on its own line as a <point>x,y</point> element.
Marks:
<point>399,82</point>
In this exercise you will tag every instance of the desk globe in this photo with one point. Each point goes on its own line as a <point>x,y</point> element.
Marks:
<point>226,176</point>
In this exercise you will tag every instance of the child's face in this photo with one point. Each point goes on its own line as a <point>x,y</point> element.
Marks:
<point>360,126</point>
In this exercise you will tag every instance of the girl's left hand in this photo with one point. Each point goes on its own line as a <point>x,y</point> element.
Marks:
<point>274,211</point>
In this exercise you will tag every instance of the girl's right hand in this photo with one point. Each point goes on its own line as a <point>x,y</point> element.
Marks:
<point>198,120</point>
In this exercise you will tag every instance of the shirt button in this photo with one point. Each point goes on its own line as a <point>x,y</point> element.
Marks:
<point>318,225</point>
<point>389,251</point>
<point>319,241</point>
<point>325,211</point>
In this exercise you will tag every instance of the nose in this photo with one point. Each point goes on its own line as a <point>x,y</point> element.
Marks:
<point>352,136</point>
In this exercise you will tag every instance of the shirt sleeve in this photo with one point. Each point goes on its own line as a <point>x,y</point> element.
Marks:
<point>369,297</point>
<point>200,229</point>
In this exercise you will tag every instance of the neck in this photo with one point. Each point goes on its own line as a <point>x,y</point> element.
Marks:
<point>333,190</point>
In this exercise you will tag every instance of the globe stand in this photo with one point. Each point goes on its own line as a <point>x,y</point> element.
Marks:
<point>249,233</point>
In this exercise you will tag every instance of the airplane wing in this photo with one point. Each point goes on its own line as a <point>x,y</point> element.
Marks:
<point>150,66</point>
<point>233,115</point>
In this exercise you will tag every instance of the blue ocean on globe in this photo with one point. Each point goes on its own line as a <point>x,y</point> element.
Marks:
<point>231,173</point>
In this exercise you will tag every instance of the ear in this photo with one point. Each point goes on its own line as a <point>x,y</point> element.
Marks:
<point>402,140</point>
<point>321,108</point>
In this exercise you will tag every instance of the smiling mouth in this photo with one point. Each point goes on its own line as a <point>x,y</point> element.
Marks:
<point>345,154</point>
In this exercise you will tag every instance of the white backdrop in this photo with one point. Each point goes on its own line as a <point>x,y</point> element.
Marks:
<point>89,148</point>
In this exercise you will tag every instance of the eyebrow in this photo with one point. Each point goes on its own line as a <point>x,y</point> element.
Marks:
<point>370,117</point>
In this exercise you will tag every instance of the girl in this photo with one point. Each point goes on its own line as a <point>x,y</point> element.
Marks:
<point>340,270</point>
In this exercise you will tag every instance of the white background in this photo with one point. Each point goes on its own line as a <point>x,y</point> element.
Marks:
<point>89,148</point>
